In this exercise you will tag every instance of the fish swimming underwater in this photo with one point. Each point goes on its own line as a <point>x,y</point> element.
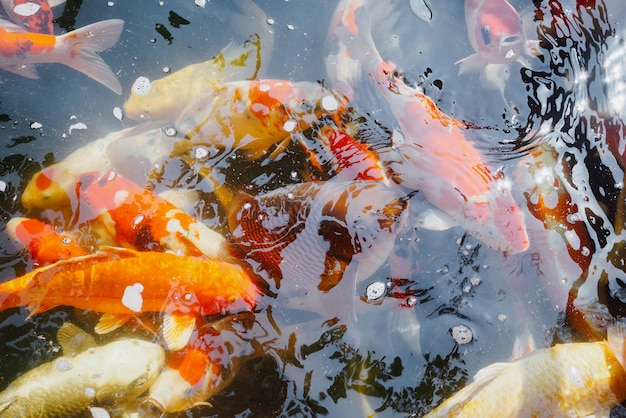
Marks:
<point>310,233</point>
<point>202,369</point>
<point>139,219</point>
<point>430,151</point>
<point>577,379</point>
<point>496,34</point>
<point>87,374</point>
<point>42,241</point>
<point>121,283</point>
<point>20,49</point>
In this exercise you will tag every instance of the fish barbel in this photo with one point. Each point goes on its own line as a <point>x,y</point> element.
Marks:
<point>78,49</point>
<point>577,379</point>
<point>87,374</point>
<point>121,283</point>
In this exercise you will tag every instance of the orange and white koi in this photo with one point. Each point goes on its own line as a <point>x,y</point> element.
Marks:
<point>577,379</point>
<point>496,34</point>
<point>122,283</point>
<point>139,219</point>
<point>202,369</point>
<point>44,243</point>
<point>432,153</point>
<point>33,15</point>
<point>252,116</point>
<point>20,50</point>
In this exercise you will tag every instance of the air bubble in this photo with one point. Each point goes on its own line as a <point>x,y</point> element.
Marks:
<point>375,291</point>
<point>63,365</point>
<point>141,86</point>
<point>462,334</point>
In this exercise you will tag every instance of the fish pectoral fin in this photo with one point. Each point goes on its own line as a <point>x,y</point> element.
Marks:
<point>26,70</point>
<point>177,329</point>
<point>435,220</point>
<point>486,375</point>
<point>110,322</point>
<point>473,63</point>
<point>74,340</point>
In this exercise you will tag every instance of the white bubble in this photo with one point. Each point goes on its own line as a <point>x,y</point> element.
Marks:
<point>375,291</point>
<point>462,334</point>
<point>270,21</point>
<point>201,153</point>
<point>290,125</point>
<point>329,103</point>
<point>117,112</point>
<point>90,392</point>
<point>96,411</point>
<point>3,186</point>
<point>35,125</point>
<point>290,27</point>
<point>200,3</point>
<point>141,86</point>
<point>77,126</point>
<point>167,70</point>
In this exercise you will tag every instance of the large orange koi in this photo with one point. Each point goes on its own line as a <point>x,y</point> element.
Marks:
<point>34,15</point>
<point>139,219</point>
<point>78,49</point>
<point>122,283</point>
<point>42,241</point>
<point>432,153</point>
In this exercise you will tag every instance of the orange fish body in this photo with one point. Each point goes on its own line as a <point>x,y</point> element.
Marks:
<point>137,218</point>
<point>121,283</point>
<point>20,49</point>
<point>42,241</point>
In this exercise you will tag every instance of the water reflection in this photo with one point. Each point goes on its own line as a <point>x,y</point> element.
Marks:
<point>315,345</point>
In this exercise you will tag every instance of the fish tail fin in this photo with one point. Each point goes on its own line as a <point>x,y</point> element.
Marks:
<point>85,43</point>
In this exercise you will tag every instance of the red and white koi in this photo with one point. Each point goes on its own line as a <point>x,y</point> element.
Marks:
<point>20,50</point>
<point>33,15</point>
<point>432,153</point>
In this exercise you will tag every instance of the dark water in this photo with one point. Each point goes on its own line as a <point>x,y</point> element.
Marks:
<point>336,355</point>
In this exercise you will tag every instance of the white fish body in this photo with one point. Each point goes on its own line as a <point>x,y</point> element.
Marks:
<point>112,374</point>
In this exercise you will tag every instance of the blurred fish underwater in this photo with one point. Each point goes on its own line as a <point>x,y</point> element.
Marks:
<point>421,190</point>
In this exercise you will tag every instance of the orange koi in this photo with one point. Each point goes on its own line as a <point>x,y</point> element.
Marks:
<point>137,218</point>
<point>42,241</point>
<point>122,283</point>
<point>20,50</point>
<point>430,152</point>
<point>34,15</point>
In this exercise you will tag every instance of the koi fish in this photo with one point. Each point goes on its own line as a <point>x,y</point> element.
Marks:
<point>251,116</point>
<point>33,15</point>
<point>44,244</point>
<point>430,153</point>
<point>139,219</point>
<point>86,375</point>
<point>496,34</point>
<point>336,152</point>
<point>577,379</point>
<point>162,99</point>
<point>78,49</point>
<point>54,188</point>
<point>122,283</point>
<point>312,232</point>
<point>204,368</point>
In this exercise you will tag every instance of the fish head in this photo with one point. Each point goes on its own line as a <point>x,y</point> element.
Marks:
<point>495,31</point>
<point>32,15</point>
<point>128,367</point>
<point>188,381</point>
<point>47,190</point>
<point>153,100</point>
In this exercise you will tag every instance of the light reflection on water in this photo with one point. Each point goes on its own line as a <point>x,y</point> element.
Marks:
<point>318,360</point>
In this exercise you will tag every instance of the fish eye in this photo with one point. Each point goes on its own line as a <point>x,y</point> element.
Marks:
<point>510,40</point>
<point>486,35</point>
<point>139,382</point>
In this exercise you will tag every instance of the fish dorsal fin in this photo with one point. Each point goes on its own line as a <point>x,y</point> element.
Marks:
<point>74,340</point>
<point>616,336</point>
<point>107,250</point>
<point>177,329</point>
<point>110,322</point>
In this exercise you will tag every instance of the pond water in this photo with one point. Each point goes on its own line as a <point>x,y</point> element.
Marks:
<point>555,129</point>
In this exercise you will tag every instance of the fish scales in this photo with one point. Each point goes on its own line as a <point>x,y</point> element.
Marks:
<point>100,281</point>
<point>65,387</point>
<point>565,380</point>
